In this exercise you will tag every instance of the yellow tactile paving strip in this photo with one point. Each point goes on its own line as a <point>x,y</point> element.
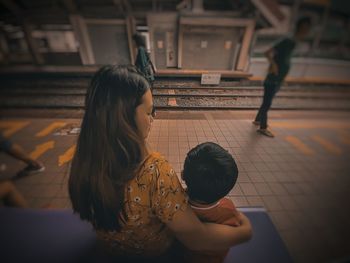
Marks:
<point>327,145</point>
<point>50,128</point>
<point>67,156</point>
<point>297,143</point>
<point>41,149</point>
<point>345,140</point>
<point>11,127</point>
<point>303,124</point>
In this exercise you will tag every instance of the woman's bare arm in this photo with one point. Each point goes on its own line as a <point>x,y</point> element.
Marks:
<point>196,235</point>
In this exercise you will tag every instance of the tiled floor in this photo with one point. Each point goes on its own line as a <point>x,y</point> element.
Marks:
<point>303,182</point>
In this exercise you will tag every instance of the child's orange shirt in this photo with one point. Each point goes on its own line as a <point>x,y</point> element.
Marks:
<point>223,212</point>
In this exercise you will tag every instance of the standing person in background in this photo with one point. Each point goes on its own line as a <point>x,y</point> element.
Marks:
<point>279,57</point>
<point>143,61</point>
<point>16,151</point>
<point>9,194</point>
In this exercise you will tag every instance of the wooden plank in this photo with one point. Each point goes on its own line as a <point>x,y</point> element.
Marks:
<point>199,72</point>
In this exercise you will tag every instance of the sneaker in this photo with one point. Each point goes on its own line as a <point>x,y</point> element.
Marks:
<point>257,123</point>
<point>30,170</point>
<point>266,132</point>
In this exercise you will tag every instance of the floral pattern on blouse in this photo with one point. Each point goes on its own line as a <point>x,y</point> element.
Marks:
<point>152,199</point>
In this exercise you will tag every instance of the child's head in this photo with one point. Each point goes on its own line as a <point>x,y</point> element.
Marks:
<point>210,172</point>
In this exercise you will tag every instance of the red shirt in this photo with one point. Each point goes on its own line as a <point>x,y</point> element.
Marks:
<point>224,212</point>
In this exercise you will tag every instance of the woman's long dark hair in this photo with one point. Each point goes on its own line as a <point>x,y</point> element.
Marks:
<point>109,148</point>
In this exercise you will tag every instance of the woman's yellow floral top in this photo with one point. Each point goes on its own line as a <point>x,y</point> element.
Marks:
<point>151,199</point>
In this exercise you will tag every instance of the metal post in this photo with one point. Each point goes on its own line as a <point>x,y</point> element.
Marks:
<point>294,14</point>
<point>318,36</point>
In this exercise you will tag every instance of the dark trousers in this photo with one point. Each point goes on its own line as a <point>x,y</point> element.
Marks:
<point>271,85</point>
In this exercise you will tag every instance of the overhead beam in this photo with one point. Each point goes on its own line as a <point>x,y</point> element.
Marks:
<point>127,6</point>
<point>119,5</point>
<point>154,5</point>
<point>70,6</point>
<point>13,7</point>
<point>184,4</point>
<point>38,59</point>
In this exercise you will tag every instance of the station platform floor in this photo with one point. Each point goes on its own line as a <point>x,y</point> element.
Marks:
<point>302,176</point>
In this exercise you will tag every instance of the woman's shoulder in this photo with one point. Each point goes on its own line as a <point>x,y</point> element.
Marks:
<point>155,156</point>
<point>155,161</point>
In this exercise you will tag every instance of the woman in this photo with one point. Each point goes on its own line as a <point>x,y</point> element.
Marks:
<point>130,194</point>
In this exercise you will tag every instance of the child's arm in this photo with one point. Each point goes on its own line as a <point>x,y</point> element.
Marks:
<point>234,218</point>
<point>196,235</point>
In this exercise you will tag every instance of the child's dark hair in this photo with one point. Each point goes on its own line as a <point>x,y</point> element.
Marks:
<point>210,172</point>
<point>303,21</point>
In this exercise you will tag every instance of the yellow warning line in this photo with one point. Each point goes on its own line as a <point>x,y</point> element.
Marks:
<point>345,140</point>
<point>299,145</point>
<point>67,156</point>
<point>12,126</point>
<point>310,124</point>
<point>344,137</point>
<point>327,145</point>
<point>41,149</point>
<point>53,126</point>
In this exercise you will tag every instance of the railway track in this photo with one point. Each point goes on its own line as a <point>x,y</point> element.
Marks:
<point>70,93</point>
<point>236,95</point>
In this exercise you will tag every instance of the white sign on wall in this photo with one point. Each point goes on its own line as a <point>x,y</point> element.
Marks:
<point>211,79</point>
<point>61,41</point>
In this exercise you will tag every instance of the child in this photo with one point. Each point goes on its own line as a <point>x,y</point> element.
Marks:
<point>210,173</point>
